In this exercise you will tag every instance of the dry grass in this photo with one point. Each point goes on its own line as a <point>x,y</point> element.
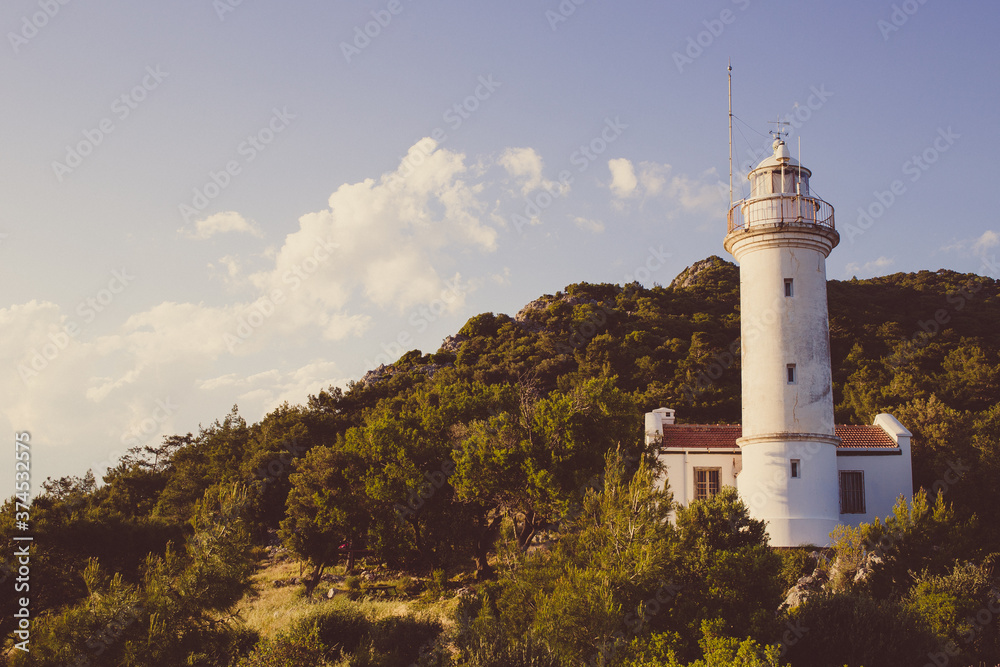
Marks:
<point>274,610</point>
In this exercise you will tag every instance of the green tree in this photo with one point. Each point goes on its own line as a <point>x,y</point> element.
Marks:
<point>731,577</point>
<point>180,612</point>
<point>603,581</point>
<point>327,514</point>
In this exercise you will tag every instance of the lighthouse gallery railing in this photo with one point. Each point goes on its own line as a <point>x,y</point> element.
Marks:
<point>777,210</point>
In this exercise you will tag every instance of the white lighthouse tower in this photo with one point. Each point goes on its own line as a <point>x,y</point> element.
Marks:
<point>781,237</point>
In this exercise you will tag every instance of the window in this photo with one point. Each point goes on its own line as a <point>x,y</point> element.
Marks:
<point>706,482</point>
<point>788,287</point>
<point>804,185</point>
<point>790,369</point>
<point>759,185</point>
<point>852,492</point>
<point>796,468</point>
<point>783,182</point>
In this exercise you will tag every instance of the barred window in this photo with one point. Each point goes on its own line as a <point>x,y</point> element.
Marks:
<point>852,492</point>
<point>706,482</point>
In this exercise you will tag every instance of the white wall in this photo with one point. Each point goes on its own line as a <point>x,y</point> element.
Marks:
<point>887,476</point>
<point>680,470</point>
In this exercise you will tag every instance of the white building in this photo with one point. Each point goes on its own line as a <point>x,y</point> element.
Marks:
<point>791,465</point>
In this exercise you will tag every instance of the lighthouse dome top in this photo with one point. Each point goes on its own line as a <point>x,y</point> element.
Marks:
<point>780,158</point>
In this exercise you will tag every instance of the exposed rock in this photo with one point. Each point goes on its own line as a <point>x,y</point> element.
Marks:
<point>453,343</point>
<point>692,275</point>
<point>871,560</point>
<point>804,588</point>
<point>524,316</point>
<point>377,375</point>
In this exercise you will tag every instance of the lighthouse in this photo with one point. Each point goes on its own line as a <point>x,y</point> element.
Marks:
<point>792,466</point>
<point>781,236</point>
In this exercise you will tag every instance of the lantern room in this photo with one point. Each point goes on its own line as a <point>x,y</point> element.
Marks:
<point>779,195</point>
<point>779,174</point>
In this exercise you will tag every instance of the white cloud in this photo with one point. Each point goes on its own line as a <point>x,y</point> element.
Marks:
<point>595,226</point>
<point>977,246</point>
<point>873,267</point>
<point>221,223</point>
<point>989,239</point>
<point>386,244</point>
<point>502,278</point>
<point>623,180</point>
<point>525,166</point>
<point>264,391</point>
<point>680,193</point>
<point>383,240</point>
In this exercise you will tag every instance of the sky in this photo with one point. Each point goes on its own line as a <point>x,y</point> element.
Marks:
<point>217,202</point>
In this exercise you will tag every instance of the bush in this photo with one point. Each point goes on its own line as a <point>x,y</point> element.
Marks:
<point>958,608</point>
<point>437,585</point>
<point>853,629</point>
<point>795,564</point>
<point>353,585</point>
<point>285,650</point>
<point>354,630</point>
<point>408,586</point>
<point>341,627</point>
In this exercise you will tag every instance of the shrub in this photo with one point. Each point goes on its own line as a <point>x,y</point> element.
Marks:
<point>407,585</point>
<point>356,630</point>
<point>287,650</point>
<point>436,585</point>
<point>854,629</point>
<point>341,627</point>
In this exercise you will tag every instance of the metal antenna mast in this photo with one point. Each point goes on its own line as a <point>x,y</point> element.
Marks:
<point>777,131</point>
<point>730,134</point>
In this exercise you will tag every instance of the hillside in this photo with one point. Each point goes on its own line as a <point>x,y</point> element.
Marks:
<point>429,463</point>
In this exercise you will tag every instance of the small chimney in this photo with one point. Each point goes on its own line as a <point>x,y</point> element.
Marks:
<point>666,415</point>
<point>655,421</point>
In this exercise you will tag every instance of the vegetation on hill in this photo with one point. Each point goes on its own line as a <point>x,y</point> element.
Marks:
<point>513,456</point>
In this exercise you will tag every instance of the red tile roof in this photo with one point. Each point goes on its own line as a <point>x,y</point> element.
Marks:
<point>868,437</point>
<point>711,436</point>
<point>699,436</point>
